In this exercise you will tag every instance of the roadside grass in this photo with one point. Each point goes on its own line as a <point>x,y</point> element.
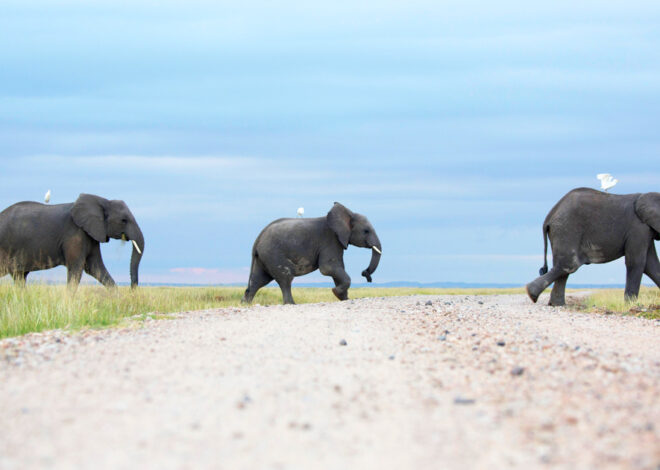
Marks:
<point>610,301</point>
<point>39,307</point>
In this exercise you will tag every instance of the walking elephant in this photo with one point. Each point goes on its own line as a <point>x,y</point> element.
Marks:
<point>293,247</point>
<point>588,226</point>
<point>35,236</point>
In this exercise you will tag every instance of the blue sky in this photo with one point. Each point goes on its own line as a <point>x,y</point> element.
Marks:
<point>454,126</point>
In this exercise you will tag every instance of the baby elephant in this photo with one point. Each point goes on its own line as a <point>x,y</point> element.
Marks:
<point>35,236</point>
<point>588,226</point>
<point>293,247</point>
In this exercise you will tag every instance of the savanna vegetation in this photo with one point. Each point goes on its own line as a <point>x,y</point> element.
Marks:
<point>42,307</point>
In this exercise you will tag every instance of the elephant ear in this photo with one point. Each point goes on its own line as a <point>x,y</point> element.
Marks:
<point>339,221</point>
<point>647,208</point>
<point>88,213</point>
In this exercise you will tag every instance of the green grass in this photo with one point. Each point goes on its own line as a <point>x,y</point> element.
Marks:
<point>610,301</point>
<point>43,307</point>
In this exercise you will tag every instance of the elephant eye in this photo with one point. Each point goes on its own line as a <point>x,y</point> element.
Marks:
<point>366,231</point>
<point>124,220</point>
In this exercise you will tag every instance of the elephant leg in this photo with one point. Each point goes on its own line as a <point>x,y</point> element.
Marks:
<point>341,278</point>
<point>94,267</point>
<point>652,268</point>
<point>539,284</point>
<point>73,274</point>
<point>20,277</point>
<point>258,278</point>
<point>557,296</point>
<point>285,286</point>
<point>634,271</point>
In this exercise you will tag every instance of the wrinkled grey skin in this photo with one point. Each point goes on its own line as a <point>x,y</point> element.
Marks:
<point>293,247</point>
<point>35,236</point>
<point>588,226</point>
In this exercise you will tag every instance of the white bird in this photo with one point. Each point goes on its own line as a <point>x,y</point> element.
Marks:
<point>606,181</point>
<point>47,197</point>
<point>301,211</point>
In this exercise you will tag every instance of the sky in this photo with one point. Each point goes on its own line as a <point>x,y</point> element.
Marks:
<point>454,126</point>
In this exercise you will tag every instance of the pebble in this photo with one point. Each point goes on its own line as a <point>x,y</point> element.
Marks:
<point>442,338</point>
<point>464,401</point>
<point>517,370</point>
<point>501,343</point>
<point>343,342</point>
<point>428,302</point>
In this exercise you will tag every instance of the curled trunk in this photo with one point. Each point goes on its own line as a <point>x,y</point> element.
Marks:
<point>375,259</point>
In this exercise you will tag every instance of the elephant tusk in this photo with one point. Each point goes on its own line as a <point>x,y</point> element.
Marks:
<point>376,250</point>
<point>136,247</point>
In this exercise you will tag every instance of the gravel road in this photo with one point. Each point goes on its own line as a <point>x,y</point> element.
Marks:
<point>420,382</point>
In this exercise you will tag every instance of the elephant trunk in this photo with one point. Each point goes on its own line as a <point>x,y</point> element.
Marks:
<point>135,235</point>
<point>376,252</point>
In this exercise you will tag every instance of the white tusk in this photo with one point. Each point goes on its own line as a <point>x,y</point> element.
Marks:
<point>376,250</point>
<point>136,247</point>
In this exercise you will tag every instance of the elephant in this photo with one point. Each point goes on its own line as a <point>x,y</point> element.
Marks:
<point>589,226</point>
<point>35,236</point>
<point>287,248</point>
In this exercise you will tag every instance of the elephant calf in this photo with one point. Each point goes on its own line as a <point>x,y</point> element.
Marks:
<point>293,247</point>
<point>588,226</point>
<point>35,236</point>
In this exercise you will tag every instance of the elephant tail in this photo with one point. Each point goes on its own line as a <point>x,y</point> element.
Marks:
<point>544,268</point>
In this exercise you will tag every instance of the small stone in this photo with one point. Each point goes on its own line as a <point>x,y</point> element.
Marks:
<point>517,370</point>
<point>343,342</point>
<point>480,302</point>
<point>464,401</point>
<point>428,302</point>
<point>442,338</point>
<point>501,343</point>
<point>391,358</point>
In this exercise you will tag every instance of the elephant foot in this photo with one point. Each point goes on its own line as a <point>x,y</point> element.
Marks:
<point>557,302</point>
<point>340,295</point>
<point>533,296</point>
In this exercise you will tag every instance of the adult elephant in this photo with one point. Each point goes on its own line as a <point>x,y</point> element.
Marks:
<point>588,226</point>
<point>35,236</point>
<point>293,247</point>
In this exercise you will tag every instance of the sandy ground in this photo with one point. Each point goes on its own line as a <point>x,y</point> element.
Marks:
<point>388,383</point>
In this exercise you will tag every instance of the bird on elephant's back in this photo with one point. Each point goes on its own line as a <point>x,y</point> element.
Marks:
<point>288,248</point>
<point>588,226</point>
<point>35,236</point>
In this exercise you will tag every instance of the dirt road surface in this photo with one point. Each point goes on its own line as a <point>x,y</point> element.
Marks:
<point>423,382</point>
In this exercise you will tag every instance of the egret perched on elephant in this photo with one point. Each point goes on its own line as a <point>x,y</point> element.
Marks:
<point>293,247</point>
